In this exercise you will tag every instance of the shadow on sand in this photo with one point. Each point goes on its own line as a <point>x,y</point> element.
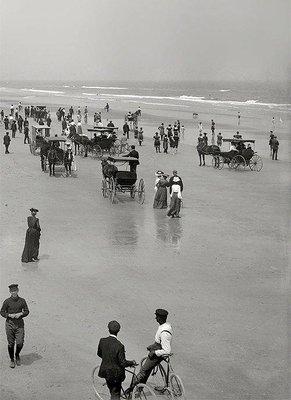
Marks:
<point>28,359</point>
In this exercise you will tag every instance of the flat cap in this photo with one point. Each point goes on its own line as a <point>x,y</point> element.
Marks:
<point>13,286</point>
<point>161,312</point>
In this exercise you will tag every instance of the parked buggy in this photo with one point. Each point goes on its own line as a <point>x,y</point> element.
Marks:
<point>105,141</point>
<point>115,180</point>
<point>240,158</point>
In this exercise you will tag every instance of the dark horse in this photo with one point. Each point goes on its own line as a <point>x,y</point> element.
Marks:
<point>80,140</point>
<point>108,170</point>
<point>54,156</point>
<point>44,148</point>
<point>203,150</point>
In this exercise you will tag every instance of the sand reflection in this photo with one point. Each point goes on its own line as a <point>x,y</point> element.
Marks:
<point>168,230</point>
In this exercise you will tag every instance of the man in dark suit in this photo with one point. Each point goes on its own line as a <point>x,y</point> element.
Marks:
<point>133,164</point>
<point>113,364</point>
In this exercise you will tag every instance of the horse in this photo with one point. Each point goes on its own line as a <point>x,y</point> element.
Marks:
<point>44,148</point>
<point>54,155</point>
<point>203,150</point>
<point>108,170</point>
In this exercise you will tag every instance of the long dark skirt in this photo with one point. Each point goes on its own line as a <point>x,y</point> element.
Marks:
<point>160,200</point>
<point>31,247</point>
<point>175,206</point>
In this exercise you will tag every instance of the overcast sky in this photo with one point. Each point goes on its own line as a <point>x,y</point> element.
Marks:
<point>145,39</point>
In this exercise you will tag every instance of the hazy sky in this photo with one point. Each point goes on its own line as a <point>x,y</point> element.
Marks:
<point>145,39</point>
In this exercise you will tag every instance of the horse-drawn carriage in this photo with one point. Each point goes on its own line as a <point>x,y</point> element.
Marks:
<point>121,181</point>
<point>39,133</point>
<point>54,155</point>
<point>104,141</point>
<point>240,157</point>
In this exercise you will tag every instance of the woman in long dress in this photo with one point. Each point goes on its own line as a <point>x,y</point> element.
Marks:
<point>31,247</point>
<point>160,200</point>
<point>176,198</point>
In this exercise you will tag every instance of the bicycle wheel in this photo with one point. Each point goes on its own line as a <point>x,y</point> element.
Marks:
<point>177,387</point>
<point>99,385</point>
<point>143,392</point>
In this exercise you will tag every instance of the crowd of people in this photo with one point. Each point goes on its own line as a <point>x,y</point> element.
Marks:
<point>175,185</point>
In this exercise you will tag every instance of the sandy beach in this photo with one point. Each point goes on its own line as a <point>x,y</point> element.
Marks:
<point>221,270</point>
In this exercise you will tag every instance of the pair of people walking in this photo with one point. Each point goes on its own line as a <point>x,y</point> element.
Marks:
<point>175,185</point>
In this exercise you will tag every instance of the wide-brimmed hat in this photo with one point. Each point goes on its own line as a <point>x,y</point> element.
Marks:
<point>159,173</point>
<point>33,209</point>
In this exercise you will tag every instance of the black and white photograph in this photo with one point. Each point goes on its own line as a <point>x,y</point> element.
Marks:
<point>145,194</point>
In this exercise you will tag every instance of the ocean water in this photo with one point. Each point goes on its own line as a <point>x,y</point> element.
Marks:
<point>268,94</point>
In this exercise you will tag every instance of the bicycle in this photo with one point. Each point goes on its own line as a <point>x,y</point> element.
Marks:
<point>141,391</point>
<point>165,381</point>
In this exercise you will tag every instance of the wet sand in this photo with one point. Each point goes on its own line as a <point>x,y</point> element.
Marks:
<point>220,270</point>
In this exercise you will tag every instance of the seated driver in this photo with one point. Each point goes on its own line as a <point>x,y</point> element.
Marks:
<point>158,350</point>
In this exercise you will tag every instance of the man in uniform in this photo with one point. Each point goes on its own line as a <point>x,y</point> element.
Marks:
<point>14,309</point>
<point>159,349</point>
<point>113,364</point>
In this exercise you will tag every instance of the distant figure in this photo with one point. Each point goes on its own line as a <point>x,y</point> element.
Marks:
<point>270,142</point>
<point>113,364</point>
<point>205,138</point>
<point>31,247</point>
<point>2,115</point>
<point>200,128</point>
<point>26,135</point>
<point>161,129</point>
<point>182,130</point>
<point>212,132</point>
<point>139,111</point>
<point>219,139</point>
<point>13,128</point>
<point>6,142</point>
<point>157,142</point>
<point>201,143</point>
<point>165,144</point>
<point>176,189</point>
<point>126,129</point>
<point>14,309</point>
<point>107,107</point>
<point>68,159</point>
<point>275,147</point>
<point>238,118</point>
<point>237,135</point>
<point>6,123</point>
<point>273,123</point>
<point>110,124</point>
<point>140,136</point>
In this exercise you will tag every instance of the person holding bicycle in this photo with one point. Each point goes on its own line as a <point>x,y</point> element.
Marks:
<point>113,364</point>
<point>157,351</point>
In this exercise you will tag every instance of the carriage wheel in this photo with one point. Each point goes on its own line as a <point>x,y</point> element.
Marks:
<point>98,151</point>
<point>104,188</point>
<point>99,385</point>
<point>116,149</point>
<point>220,162</point>
<point>143,392</point>
<point>112,189</point>
<point>256,163</point>
<point>117,143</point>
<point>237,162</point>
<point>82,151</point>
<point>177,387</point>
<point>141,191</point>
<point>112,150</point>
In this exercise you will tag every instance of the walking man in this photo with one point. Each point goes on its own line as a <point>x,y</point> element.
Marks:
<point>132,163</point>
<point>159,349</point>
<point>6,142</point>
<point>14,309</point>
<point>275,147</point>
<point>126,129</point>
<point>113,364</point>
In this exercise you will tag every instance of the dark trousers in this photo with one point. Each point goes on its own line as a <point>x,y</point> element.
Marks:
<point>146,369</point>
<point>114,388</point>
<point>201,158</point>
<point>158,149</point>
<point>15,334</point>
<point>6,148</point>
<point>68,166</point>
<point>52,168</point>
<point>275,154</point>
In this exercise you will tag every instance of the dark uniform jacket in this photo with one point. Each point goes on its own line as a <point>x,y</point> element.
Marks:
<point>14,305</point>
<point>113,364</point>
<point>6,140</point>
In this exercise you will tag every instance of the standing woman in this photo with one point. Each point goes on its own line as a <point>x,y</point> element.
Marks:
<point>140,136</point>
<point>161,186</point>
<point>31,247</point>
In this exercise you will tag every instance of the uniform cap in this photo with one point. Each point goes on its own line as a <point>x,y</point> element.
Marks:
<point>13,286</point>
<point>161,312</point>
<point>114,326</point>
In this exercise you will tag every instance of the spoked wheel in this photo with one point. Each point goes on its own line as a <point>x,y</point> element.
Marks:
<point>112,189</point>
<point>220,162</point>
<point>117,149</point>
<point>141,191</point>
<point>143,392</point>
<point>177,387</point>
<point>97,151</point>
<point>256,163</point>
<point>99,385</point>
<point>82,151</point>
<point>237,162</point>
<point>104,188</point>
<point>157,381</point>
